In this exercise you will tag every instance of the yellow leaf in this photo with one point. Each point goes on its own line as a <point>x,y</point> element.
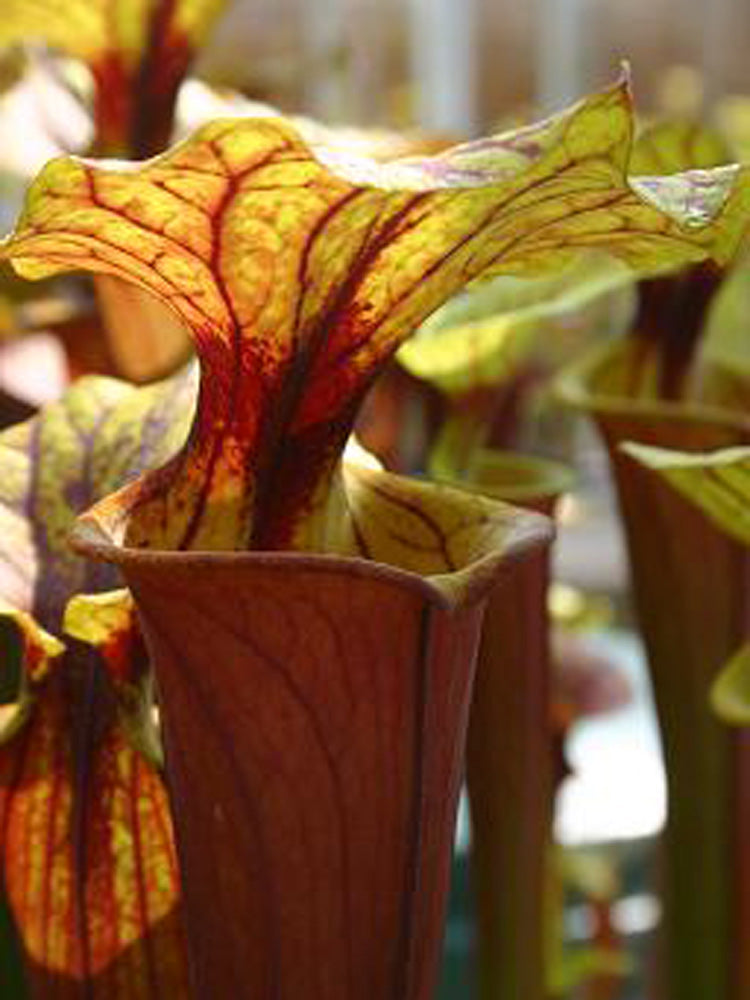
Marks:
<point>716,482</point>
<point>138,52</point>
<point>79,744</point>
<point>730,695</point>
<point>676,144</point>
<point>686,320</point>
<point>299,272</point>
<point>501,327</point>
<point>76,451</point>
<point>86,846</point>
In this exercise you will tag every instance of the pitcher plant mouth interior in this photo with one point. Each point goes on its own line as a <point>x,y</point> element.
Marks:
<point>517,478</point>
<point>598,384</point>
<point>100,532</point>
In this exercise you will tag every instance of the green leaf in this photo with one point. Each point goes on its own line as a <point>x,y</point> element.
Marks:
<point>724,346</point>
<point>496,331</point>
<point>732,114</point>
<point>716,482</point>
<point>730,695</point>
<point>681,323</point>
<point>673,145</point>
<point>501,327</point>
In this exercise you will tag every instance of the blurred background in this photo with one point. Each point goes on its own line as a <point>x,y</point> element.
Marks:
<point>445,64</point>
